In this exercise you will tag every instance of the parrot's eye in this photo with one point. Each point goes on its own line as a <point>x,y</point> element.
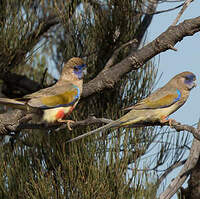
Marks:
<point>190,81</point>
<point>187,79</point>
<point>190,77</point>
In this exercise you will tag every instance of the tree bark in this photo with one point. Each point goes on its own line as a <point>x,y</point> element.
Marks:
<point>193,189</point>
<point>166,41</point>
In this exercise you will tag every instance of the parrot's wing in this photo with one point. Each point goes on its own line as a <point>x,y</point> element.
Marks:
<point>161,98</point>
<point>56,96</point>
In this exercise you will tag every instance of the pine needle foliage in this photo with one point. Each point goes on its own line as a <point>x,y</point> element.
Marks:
<point>39,163</point>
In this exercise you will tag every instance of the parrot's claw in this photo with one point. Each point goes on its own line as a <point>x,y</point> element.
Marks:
<point>68,123</point>
<point>164,120</point>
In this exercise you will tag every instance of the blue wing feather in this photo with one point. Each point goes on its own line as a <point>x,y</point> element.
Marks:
<point>179,95</point>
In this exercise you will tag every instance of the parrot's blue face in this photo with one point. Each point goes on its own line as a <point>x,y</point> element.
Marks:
<point>78,70</point>
<point>190,81</point>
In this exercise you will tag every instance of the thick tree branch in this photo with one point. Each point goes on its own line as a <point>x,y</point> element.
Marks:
<point>136,60</point>
<point>107,78</point>
<point>193,189</point>
<point>165,41</point>
<point>182,176</point>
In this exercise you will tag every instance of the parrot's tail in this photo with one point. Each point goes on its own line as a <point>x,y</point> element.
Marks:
<point>103,128</point>
<point>13,103</point>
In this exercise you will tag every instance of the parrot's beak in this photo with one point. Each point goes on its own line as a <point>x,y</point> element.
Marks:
<point>84,69</point>
<point>195,83</point>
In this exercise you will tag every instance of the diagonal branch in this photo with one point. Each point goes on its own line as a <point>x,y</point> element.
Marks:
<point>107,78</point>
<point>112,59</point>
<point>166,41</point>
<point>152,6</point>
<point>169,170</point>
<point>182,176</point>
<point>185,5</point>
<point>32,39</point>
<point>22,83</point>
<point>18,82</point>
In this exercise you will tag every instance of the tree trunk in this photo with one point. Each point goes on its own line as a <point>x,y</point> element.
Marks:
<point>193,190</point>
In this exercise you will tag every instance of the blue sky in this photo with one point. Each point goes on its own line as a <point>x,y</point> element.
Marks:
<point>187,58</point>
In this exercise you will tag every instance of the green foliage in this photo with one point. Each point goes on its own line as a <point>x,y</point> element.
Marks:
<point>17,23</point>
<point>49,168</point>
<point>39,163</point>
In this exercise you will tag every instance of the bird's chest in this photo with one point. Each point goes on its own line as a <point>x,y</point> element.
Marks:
<point>52,115</point>
<point>169,110</point>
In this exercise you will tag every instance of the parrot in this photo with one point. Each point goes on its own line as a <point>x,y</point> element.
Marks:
<point>156,107</point>
<point>57,101</point>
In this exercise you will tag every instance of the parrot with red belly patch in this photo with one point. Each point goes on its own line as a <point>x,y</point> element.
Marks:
<point>57,101</point>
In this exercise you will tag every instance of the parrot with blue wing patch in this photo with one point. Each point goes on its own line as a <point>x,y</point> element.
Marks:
<point>157,106</point>
<point>58,100</point>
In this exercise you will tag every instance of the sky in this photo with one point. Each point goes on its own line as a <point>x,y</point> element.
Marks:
<point>187,58</point>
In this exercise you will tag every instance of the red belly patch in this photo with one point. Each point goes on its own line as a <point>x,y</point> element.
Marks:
<point>60,114</point>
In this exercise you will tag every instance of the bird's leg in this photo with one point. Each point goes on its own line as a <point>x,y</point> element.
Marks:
<point>68,123</point>
<point>59,117</point>
<point>165,120</point>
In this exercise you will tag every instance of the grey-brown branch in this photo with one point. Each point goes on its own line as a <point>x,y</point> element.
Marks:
<point>8,125</point>
<point>107,78</point>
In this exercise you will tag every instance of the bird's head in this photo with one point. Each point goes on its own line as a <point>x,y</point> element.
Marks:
<point>187,80</point>
<point>73,69</point>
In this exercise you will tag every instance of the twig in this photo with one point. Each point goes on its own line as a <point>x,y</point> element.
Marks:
<point>7,125</point>
<point>170,9</point>
<point>43,77</point>
<point>141,30</point>
<point>107,78</point>
<point>191,129</point>
<point>169,170</point>
<point>112,59</point>
<point>89,121</point>
<point>185,5</point>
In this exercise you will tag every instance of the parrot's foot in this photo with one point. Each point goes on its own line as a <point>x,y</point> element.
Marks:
<point>165,120</point>
<point>68,123</point>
